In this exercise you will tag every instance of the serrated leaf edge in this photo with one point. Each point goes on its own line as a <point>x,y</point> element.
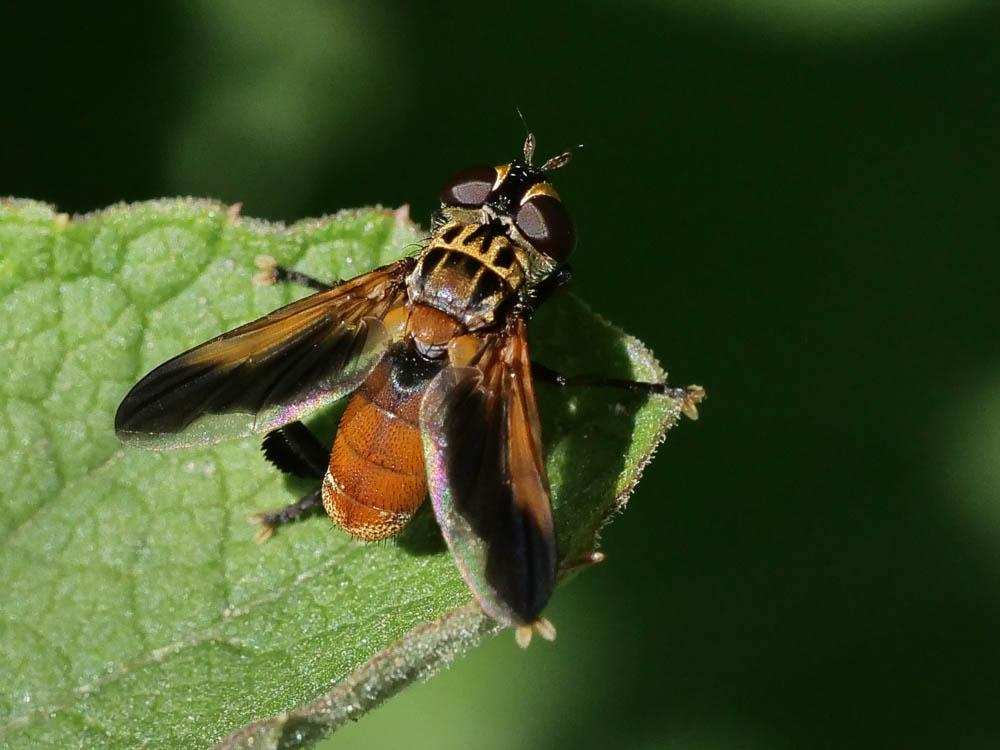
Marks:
<point>426,649</point>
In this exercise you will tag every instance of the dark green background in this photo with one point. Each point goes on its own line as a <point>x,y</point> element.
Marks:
<point>795,204</point>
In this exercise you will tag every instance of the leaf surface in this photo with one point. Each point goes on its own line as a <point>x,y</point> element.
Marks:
<point>136,610</point>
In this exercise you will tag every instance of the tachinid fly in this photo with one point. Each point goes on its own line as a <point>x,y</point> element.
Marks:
<point>434,352</point>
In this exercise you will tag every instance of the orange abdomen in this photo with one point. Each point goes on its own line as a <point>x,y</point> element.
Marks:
<point>376,479</point>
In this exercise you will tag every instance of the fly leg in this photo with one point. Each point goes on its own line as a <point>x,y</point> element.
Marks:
<point>294,450</point>
<point>272,273</point>
<point>690,397</point>
<point>268,520</point>
<point>549,286</point>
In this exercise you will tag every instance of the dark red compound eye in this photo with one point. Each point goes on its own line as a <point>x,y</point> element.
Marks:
<point>469,188</point>
<point>545,222</point>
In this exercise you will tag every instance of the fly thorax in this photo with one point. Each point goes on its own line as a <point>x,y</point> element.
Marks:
<point>432,330</point>
<point>469,271</point>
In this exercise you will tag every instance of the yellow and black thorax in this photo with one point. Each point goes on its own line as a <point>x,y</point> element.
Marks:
<point>500,231</point>
<point>471,272</point>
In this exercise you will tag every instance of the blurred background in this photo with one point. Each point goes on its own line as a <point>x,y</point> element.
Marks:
<point>794,203</point>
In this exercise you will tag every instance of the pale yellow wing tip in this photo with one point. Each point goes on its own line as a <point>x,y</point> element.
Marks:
<point>545,629</point>
<point>522,635</point>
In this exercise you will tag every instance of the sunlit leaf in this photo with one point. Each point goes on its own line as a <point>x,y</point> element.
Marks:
<point>136,609</point>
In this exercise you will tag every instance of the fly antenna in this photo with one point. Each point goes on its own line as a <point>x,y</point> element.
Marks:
<point>562,160</point>
<point>529,138</point>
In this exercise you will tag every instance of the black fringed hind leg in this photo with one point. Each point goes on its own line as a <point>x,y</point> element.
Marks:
<point>294,450</point>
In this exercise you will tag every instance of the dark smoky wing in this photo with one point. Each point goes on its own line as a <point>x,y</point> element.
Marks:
<point>266,373</point>
<point>488,483</point>
<point>204,382</point>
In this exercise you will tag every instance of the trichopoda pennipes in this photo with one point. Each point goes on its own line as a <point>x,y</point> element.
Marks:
<point>434,349</point>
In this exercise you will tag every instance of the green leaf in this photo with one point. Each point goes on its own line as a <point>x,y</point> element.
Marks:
<point>136,609</point>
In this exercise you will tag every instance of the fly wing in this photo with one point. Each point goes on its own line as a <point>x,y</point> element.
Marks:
<point>268,372</point>
<point>483,451</point>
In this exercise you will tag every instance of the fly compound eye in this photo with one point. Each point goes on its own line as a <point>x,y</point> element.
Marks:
<point>545,222</point>
<point>469,188</point>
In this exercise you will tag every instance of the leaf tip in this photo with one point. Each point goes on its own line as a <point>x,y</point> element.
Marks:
<point>402,215</point>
